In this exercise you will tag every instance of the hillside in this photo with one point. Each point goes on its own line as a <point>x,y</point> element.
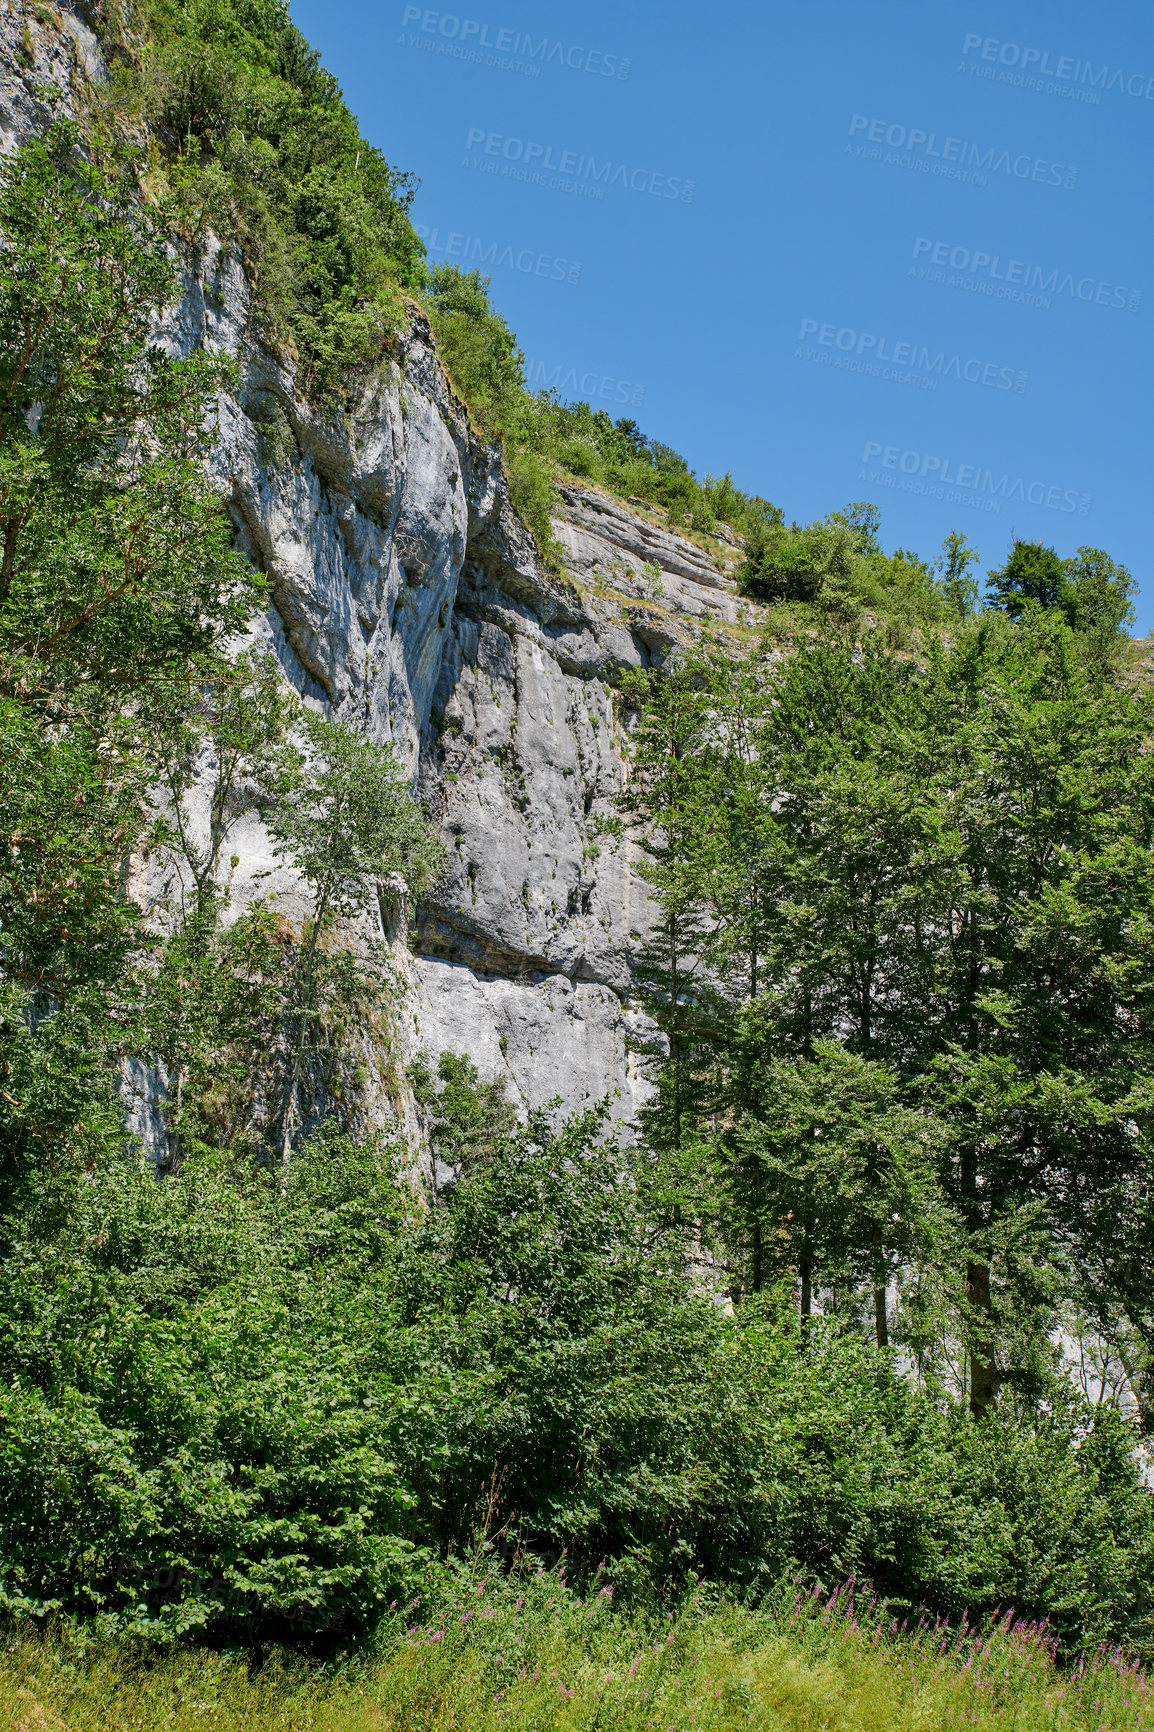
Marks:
<point>546,1013</point>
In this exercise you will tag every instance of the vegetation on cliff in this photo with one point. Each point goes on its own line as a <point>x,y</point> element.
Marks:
<point>232,126</point>
<point>902,975</point>
<point>230,122</point>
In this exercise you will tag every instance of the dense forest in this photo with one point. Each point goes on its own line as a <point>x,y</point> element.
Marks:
<point>812,1319</point>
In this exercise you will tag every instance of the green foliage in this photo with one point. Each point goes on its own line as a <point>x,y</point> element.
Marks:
<point>117,586</point>
<point>252,138</point>
<point>102,500</point>
<point>902,973</point>
<point>467,1119</point>
<point>246,1405</point>
<point>863,521</point>
<point>1090,591</point>
<point>830,1171</point>
<point>194,1429</point>
<point>1032,574</point>
<point>347,821</point>
<point>536,1652</point>
<point>486,366</point>
<point>345,817</point>
<point>590,445</point>
<point>900,981</point>
<point>240,721</point>
<point>959,589</point>
<point>477,346</point>
<point>786,566</point>
<point>1097,593</point>
<point>123,717</point>
<point>836,569</point>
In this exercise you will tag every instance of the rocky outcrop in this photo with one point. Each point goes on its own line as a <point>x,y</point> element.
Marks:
<point>409,599</point>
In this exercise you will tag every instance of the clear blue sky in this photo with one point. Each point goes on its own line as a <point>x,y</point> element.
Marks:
<point>899,252</point>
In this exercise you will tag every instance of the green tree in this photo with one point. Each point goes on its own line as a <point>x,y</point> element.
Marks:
<point>1043,1022</point>
<point>1097,604</point>
<point>958,587</point>
<point>1032,575</point>
<point>846,1172</point>
<point>467,1118</point>
<point>219,761</point>
<point>117,583</point>
<point>348,823</point>
<point>863,520</point>
<point>668,805</point>
<point>957,889</point>
<point>1090,590</point>
<point>116,567</point>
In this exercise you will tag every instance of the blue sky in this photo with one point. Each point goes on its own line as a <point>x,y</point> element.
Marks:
<point>898,252</point>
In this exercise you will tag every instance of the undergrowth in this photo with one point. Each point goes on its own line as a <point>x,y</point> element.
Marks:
<point>529,1652</point>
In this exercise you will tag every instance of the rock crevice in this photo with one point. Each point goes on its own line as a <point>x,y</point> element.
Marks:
<point>408,599</point>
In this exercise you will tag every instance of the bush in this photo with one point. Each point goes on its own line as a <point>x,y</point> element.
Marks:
<point>199,1426</point>
<point>251,137</point>
<point>232,1406</point>
<point>477,347</point>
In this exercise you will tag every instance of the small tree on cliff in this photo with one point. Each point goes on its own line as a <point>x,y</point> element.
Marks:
<point>348,822</point>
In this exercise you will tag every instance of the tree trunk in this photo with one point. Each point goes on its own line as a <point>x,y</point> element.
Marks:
<point>880,1322</point>
<point>984,1376</point>
<point>806,1289</point>
<point>319,912</point>
<point>174,1133</point>
<point>881,1325</point>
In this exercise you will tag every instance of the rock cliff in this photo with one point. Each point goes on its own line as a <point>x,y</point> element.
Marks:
<point>409,600</point>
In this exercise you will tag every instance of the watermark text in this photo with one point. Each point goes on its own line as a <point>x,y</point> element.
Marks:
<point>973,484</point>
<point>907,361</point>
<point>962,159</point>
<point>498,255</point>
<point>1071,75</point>
<point>587,385</point>
<point>1012,279</point>
<point>509,50</point>
<point>568,170</point>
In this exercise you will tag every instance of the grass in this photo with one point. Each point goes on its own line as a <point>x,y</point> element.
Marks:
<point>534,1656</point>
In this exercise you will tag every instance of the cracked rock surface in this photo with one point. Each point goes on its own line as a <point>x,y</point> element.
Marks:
<point>409,601</point>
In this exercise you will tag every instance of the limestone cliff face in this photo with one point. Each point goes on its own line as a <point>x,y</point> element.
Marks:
<point>408,599</point>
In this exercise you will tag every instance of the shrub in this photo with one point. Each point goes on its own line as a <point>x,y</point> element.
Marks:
<point>236,1405</point>
<point>251,137</point>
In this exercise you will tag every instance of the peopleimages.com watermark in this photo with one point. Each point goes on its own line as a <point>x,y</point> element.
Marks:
<point>904,362</point>
<point>1015,279</point>
<point>964,483</point>
<point>509,50</point>
<point>567,170</point>
<point>571,384</point>
<point>498,255</point>
<point>952,158</point>
<point>1030,67</point>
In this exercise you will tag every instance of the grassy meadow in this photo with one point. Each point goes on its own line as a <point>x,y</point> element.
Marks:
<point>539,1657</point>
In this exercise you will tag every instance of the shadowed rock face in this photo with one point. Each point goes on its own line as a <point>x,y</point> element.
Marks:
<point>408,599</point>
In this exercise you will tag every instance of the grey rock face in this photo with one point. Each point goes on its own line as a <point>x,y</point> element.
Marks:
<point>408,600</point>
